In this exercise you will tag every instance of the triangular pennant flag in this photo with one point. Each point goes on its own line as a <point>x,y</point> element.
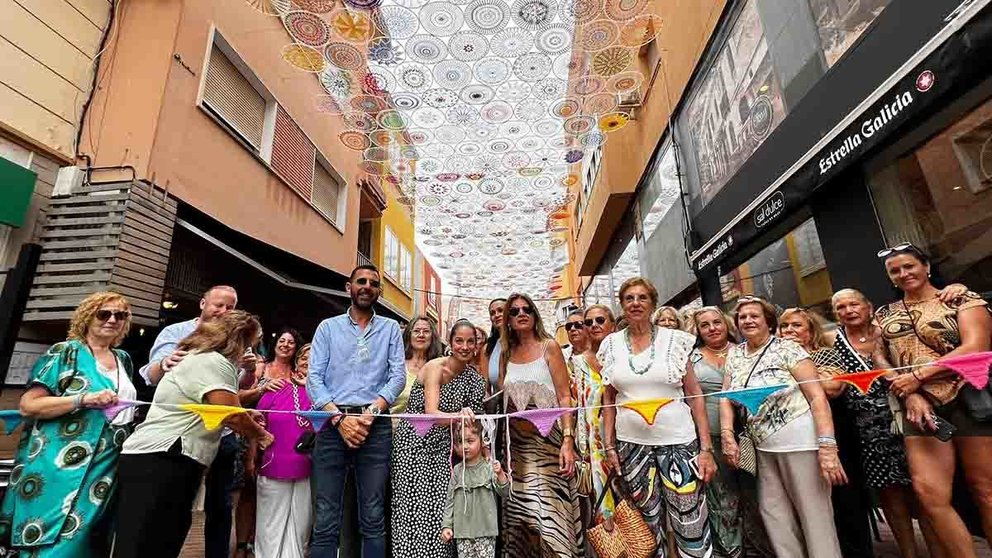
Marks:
<point>317,418</point>
<point>421,424</point>
<point>212,415</point>
<point>114,410</point>
<point>11,420</point>
<point>974,368</point>
<point>752,398</point>
<point>860,380</point>
<point>648,409</point>
<point>543,419</point>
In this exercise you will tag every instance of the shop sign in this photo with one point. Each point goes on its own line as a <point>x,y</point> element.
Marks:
<point>769,210</point>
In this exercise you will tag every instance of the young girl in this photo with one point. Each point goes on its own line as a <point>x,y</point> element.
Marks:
<point>470,516</point>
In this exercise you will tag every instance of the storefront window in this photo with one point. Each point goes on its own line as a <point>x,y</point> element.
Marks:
<point>627,266</point>
<point>774,54</point>
<point>664,187</point>
<point>789,272</point>
<point>939,197</point>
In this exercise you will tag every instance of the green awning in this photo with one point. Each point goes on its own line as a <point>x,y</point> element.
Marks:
<point>16,187</point>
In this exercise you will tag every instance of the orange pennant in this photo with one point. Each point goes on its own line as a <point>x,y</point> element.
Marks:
<point>648,409</point>
<point>860,380</point>
<point>212,415</point>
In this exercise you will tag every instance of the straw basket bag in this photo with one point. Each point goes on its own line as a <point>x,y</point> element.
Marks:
<point>631,536</point>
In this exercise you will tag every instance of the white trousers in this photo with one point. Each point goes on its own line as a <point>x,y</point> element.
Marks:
<point>283,518</point>
<point>795,504</point>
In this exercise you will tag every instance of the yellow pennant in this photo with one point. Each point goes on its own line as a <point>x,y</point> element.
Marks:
<point>648,409</point>
<point>212,415</point>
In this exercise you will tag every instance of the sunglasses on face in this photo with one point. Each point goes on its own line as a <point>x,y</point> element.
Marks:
<point>899,248</point>
<point>362,281</point>
<point>597,320</point>
<point>119,315</point>
<point>518,310</point>
<point>569,326</point>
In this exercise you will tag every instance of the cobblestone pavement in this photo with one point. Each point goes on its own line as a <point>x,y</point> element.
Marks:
<point>884,549</point>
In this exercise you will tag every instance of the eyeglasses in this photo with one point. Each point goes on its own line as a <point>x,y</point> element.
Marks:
<point>904,247</point>
<point>425,332</point>
<point>569,326</point>
<point>517,310</point>
<point>362,281</point>
<point>597,320</point>
<point>119,315</point>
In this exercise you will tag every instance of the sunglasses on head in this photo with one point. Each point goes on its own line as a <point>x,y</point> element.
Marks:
<point>569,326</point>
<point>362,281</point>
<point>750,298</point>
<point>119,315</point>
<point>517,310</point>
<point>597,320</point>
<point>899,248</point>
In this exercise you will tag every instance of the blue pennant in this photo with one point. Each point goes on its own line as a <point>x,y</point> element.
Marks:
<point>316,418</point>
<point>752,398</point>
<point>11,420</point>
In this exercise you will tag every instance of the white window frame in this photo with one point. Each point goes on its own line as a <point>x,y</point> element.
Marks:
<point>340,220</point>
<point>391,245</point>
<point>406,270</point>
<point>264,151</point>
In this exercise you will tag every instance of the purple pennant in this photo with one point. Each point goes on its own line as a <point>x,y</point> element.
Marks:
<point>421,424</point>
<point>543,419</point>
<point>112,411</point>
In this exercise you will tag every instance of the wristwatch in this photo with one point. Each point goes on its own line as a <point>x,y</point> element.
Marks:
<point>373,409</point>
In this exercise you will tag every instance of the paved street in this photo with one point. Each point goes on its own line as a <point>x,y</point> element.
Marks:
<point>885,549</point>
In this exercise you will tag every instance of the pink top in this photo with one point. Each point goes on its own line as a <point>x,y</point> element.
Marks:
<point>281,460</point>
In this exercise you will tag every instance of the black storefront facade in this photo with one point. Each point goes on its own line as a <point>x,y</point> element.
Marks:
<point>891,143</point>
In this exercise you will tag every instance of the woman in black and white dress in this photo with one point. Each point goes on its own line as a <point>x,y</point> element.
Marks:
<point>420,465</point>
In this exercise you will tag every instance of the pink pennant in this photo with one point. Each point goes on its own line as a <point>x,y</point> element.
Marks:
<point>543,419</point>
<point>421,424</point>
<point>114,410</point>
<point>974,368</point>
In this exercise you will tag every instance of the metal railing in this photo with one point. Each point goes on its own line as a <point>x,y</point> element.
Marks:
<point>363,259</point>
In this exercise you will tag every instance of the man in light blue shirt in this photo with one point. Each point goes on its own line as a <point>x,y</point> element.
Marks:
<point>217,502</point>
<point>357,369</point>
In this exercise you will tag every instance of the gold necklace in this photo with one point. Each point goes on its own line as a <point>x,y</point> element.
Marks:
<point>722,353</point>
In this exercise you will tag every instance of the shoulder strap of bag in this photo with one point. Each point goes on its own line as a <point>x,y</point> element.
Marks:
<point>912,323</point>
<point>762,355</point>
<point>607,487</point>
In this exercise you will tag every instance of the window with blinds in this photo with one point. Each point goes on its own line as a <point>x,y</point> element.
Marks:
<point>326,193</point>
<point>232,98</point>
<point>293,156</point>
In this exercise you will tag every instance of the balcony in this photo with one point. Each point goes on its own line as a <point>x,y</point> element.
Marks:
<point>362,259</point>
<point>373,198</point>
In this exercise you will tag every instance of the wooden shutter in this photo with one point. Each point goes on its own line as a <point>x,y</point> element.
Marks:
<point>231,97</point>
<point>326,192</point>
<point>293,155</point>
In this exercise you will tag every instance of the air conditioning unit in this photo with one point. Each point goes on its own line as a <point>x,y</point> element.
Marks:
<point>629,102</point>
<point>68,180</point>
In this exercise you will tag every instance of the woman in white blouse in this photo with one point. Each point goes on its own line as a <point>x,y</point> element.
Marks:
<point>663,450</point>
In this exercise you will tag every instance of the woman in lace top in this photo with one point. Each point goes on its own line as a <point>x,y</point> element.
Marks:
<point>662,449</point>
<point>541,517</point>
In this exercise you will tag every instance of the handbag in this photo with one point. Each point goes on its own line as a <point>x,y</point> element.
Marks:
<point>631,536</point>
<point>308,438</point>
<point>978,402</point>
<point>583,478</point>
<point>747,454</point>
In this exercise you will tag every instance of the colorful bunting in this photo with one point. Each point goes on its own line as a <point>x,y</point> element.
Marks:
<point>860,380</point>
<point>974,368</point>
<point>752,398</point>
<point>421,424</point>
<point>111,412</point>
<point>212,415</point>
<point>543,419</point>
<point>648,409</point>
<point>11,420</point>
<point>317,418</point>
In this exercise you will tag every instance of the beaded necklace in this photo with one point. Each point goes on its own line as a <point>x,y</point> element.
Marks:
<point>630,351</point>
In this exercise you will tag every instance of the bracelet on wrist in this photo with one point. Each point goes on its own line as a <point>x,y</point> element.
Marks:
<point>708,450</point>
<point>918,379</point>
<point>77,401</point>
<point>826,441</point>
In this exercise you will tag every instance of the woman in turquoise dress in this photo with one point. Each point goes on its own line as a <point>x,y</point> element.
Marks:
<point>63,480</point>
